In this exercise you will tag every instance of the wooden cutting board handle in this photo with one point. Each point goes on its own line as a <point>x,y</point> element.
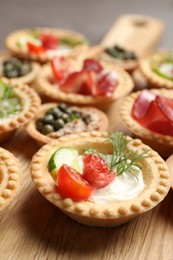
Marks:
<point>137,33</point>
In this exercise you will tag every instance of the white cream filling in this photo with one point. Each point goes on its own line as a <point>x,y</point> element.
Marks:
<point>167,68</point>
<point>124,187</point>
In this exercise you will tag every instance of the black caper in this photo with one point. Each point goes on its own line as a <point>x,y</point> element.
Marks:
<point>48,119</point>
<point>57,112</point>
<point>62,106</point>
<point>59,123</point>
<point>65,117</point>
<point>46,129</point>
<point>68,110</point>
<point>39,124</point>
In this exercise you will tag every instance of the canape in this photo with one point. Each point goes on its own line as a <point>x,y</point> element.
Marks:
<point>10,175</point>
<point>157,68</point>
<point>148,115</point>
<point>18,105</point>
<point>16,70</point>
<point>56,120</point>
<point>42,44</point>
<point>88,82</point>
<point>111,178</point>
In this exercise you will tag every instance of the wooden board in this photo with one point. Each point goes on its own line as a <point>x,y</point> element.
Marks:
<point>32,228</point>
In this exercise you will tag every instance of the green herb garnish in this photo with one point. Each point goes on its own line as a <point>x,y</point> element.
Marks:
<point>72,41</point>
<point>122,158</point>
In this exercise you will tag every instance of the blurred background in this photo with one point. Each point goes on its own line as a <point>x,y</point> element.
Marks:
<point>93,18</point>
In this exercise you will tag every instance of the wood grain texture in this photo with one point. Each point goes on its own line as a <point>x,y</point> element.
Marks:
<point>32,228</point>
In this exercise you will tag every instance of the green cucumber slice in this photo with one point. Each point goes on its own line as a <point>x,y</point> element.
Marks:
<point>161,74</point>
<point>59,157</point>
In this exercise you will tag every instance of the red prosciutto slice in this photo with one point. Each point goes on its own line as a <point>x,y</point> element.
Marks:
<point>156,115</point>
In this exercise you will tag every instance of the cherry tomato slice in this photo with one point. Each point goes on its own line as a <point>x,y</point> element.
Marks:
<point>72,185</point>
<point>92,65</point>
<point>142,104</point>
<point>106,84</point>
<point>35,48</point>
<point>49,41</point>
<point>60,68</point>
<point>96,171</point>
<point>166,106</point>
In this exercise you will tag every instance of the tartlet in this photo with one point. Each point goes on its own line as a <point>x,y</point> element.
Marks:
<point>41,139</point>
<point>149,64</point>
<point>13,38</point>
<point>25,79</point>
<point>154,169</point>
<point>10,175</point>
<point>25,103</point>
<point>162,143</point>
<point>99,52</point>
<point>46,86</point>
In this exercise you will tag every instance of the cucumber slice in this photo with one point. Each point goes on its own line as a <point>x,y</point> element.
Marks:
<point>59,157</point>
<point>2,89</point>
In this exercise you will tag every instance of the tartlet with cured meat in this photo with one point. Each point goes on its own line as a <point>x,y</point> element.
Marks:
<point>149,115</point>
<point>42,44</point>
<point>100,179</point>
<point>56,120</point>
<point>16,70</point>
<point>87,82</point>
<point>157,68</point>
<point>10,175</point>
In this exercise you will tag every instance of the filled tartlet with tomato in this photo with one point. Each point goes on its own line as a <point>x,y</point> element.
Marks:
<point>42,44</point>
<point>10,175</point>
<point>149,115</point>
<point>115,54</point>
<point>56,120</point>
<point>16,70</point>
<point>18,105</point>
<point>88,82</point>
<point>100,179</point>
<point>157,68</point>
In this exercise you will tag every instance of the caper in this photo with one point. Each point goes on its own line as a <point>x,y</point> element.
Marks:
<point>65,117</point>
<point>59,123</point>
<point>48,119</point>
<point>57,112</point>
<point>68,110</point>
<point>15,67</point>
<point>39,124</point>
<point>46,129</point>
<point>62,106</point>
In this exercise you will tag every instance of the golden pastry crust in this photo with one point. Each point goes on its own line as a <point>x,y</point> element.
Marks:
<point>26,79</point>
<point>10,175</point>
<point>159,142</point>
<point>154,80</point>
<point>155,173</point>
<point>44,87</point>
<point>43,139</point>
<point>13,37</point>
<point>97,52</point>
<point>30,103</point>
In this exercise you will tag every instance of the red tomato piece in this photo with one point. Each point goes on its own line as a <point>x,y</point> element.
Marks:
<point>92,65</point>
<point>49,41</point>
<point>35,48</point>
<point>106,84</point>
<point>60,66</point>
<point>96,171</point>
<point>142,103</point>
<point>166,106</point>
<point>79,82</point>
<point>72,185</point>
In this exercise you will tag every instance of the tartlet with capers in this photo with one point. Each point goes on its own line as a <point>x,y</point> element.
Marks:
<point>18,105</point>
<point>56,120</point>
<point>16,70</point>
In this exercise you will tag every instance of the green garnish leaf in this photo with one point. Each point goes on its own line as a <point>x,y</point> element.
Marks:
<point>72,41</point>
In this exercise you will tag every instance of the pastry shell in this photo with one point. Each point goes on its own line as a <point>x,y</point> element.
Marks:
<point>46,89</point>
<point>155,172</point>
<point>42,139</point>
<point>12,38</point>
<point>97,52</point>
<point>26,79</point>
<point>154,80</point>
<point>10,175</point>
<point>30,104</point>
<point>163,144</point>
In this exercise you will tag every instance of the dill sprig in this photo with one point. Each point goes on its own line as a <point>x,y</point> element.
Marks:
<point>122,159</point>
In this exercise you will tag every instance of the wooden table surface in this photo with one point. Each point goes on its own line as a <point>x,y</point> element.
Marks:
<point>33,228</point>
